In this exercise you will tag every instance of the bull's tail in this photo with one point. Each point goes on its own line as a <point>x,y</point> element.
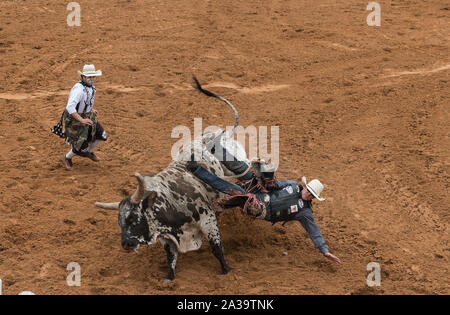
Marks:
<point>209,93</point>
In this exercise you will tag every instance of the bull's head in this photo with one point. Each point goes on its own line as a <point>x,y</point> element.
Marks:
<point>134,215</point>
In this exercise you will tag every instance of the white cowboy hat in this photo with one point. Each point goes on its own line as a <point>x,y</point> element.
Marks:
<point>315,187</point>
<point>89,71</point>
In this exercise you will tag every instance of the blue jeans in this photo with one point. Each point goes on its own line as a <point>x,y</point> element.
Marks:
<point>216,182</point>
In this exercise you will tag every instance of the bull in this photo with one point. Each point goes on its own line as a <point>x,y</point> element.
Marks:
<point>176,207</point>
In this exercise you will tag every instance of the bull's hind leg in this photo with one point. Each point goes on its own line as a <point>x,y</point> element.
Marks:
<point>211,231</point>
<point>172,255</point>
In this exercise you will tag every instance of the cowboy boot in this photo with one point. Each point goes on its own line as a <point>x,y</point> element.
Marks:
<point>93,157</point>
<point>67,163</point>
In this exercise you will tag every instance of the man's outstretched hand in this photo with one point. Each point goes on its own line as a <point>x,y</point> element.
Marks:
<point>331,257</point>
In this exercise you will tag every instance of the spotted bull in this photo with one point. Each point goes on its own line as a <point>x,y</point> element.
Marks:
<point>176,207</point>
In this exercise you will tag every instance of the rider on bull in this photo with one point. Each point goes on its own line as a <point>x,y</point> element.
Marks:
<point>261,196</point>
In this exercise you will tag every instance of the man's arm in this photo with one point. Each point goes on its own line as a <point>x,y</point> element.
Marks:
<point>307,221</point>
<point>85,121</point>
<point>75,97</point>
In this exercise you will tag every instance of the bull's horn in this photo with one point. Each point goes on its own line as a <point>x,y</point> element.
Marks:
<point>140,190</point>
<point>109,206</point>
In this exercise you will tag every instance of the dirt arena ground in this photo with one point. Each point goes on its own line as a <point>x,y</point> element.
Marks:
<point>364,109</point>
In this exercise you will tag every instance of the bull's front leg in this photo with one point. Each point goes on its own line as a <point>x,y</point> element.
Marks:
<point>212,233</point>
<point>172,255</point>
<point>216,248</point>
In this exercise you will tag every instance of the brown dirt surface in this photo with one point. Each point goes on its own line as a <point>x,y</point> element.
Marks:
<point>364,109</point>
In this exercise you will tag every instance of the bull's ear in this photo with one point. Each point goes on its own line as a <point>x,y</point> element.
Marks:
<point>149,200</point>
<point>152,195</point>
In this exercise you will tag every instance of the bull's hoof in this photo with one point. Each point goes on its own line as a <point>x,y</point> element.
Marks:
<point>226,270</point>
<point>167,281</point>
<point>170,276</point>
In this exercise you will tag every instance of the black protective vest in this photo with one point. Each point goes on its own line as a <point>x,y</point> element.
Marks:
<point>283,204</point>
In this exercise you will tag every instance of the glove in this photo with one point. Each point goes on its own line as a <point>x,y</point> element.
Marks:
<point>192,166</point>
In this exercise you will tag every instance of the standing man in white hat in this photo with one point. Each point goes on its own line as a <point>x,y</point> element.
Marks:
<point>261,196</point>
<point>82,128</point>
